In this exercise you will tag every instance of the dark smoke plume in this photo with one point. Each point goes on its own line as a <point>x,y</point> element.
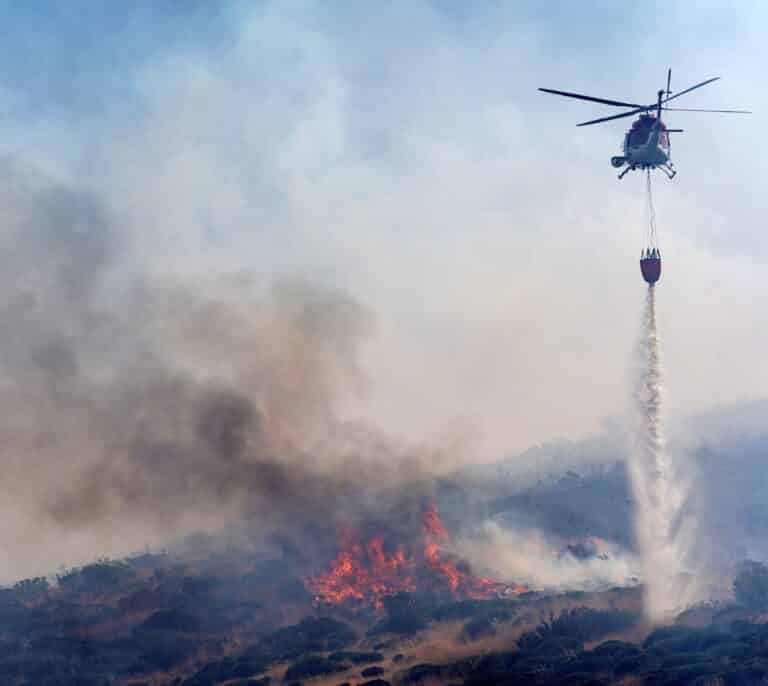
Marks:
<point>133,400</point>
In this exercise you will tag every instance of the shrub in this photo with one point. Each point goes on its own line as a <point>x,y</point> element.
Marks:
<point>751,585</point>
<point>475,629</point>
<point>311,667</point>
<point>30,589</point>
<point>580,623</point>
<point>312,634</point>
<point>170,620</point>
<point>372,671</point>
<point>355,657</point>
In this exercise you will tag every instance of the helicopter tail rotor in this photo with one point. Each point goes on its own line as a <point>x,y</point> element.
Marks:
<point>669,79</point>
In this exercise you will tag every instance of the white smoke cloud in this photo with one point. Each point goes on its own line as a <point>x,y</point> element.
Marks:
<point>528,557</point>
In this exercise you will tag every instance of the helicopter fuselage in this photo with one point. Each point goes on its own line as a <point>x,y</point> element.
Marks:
<point>646,145</point>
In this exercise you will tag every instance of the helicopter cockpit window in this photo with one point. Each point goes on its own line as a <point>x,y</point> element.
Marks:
<point>639,133</point>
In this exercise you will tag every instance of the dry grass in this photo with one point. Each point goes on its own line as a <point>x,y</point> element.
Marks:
<point>440,643</point>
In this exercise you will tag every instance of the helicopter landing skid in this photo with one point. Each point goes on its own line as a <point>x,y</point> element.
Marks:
<point>667,169</point>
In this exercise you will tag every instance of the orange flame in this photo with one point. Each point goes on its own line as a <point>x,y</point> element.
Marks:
<point>363,573</point>
<point>366,573</point>
<point>461,583</point>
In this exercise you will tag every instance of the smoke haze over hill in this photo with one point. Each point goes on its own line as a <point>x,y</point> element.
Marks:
<point>259,266</point>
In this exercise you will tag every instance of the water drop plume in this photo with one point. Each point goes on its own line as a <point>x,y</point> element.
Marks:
<point>659,490</point>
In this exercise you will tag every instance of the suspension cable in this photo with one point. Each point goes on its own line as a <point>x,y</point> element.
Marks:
<point>651,237</point>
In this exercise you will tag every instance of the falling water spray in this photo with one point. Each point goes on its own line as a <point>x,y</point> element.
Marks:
<point>658,487</point>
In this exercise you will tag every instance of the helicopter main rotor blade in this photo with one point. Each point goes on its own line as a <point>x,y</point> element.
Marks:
<point>615,116</point>
<point>689,109</point>
<point>579,96</point>
<point>688,90</point>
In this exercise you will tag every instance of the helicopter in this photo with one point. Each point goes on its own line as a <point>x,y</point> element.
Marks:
<point>646,144</point>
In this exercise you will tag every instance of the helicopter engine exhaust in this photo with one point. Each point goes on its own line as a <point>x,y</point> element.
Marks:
<point>618,161</point>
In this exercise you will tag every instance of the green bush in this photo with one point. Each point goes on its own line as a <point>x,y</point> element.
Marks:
<point>751,585</point>
<point>356,657</point>
<point>580,623</point>
<point>312,667</point>
<point>475,629</point>
<point>30,589</point>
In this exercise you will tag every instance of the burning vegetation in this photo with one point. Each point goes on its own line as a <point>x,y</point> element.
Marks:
<point>112,374</point>
<point>234,617</point>
<point>367,571</point>
<point>226,619</point>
